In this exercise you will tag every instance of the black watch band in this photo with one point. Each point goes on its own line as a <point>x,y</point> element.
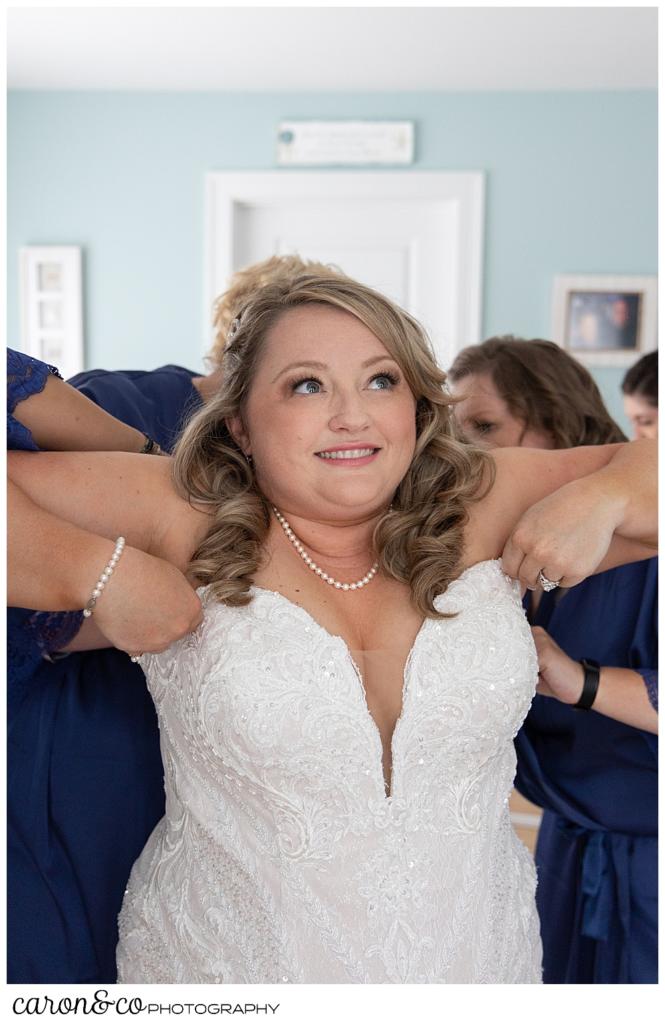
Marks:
<point>150,447</point>
<point>591,684</point>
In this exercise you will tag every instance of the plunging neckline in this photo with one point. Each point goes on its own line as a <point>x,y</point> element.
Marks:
<point>389,783</point>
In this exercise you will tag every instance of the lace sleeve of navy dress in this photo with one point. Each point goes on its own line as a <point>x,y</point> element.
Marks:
<point>650,677</point>
<point>25,377</point>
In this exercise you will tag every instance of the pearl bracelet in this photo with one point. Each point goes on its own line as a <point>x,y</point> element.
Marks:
<point>104,578</point>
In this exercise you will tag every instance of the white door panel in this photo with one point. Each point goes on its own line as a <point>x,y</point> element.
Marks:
<point>417,244</point>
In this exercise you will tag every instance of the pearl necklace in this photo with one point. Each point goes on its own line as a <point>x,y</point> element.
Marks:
<point>311,564</point>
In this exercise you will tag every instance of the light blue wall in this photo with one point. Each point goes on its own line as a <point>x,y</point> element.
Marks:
<point>571,188</point>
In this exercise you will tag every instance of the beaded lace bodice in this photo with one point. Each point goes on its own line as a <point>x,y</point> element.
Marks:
<point>281,857</point>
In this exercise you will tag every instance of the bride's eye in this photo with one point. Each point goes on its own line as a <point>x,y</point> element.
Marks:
<point>307,386</point>
<point>383,381</point>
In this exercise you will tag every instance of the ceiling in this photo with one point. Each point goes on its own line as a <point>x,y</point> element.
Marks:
<point>349,49</point>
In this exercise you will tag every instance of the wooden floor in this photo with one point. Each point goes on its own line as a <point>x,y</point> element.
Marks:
<point>525,817</point>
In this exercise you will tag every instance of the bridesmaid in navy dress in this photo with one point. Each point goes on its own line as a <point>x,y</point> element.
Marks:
<point>593,772</point>
<point>84,768</point>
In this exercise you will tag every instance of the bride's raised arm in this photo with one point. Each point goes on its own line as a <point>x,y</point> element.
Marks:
<point>112,494</point>
<point>571,513</point>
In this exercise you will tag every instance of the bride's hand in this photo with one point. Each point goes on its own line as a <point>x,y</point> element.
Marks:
<point>146,605</point>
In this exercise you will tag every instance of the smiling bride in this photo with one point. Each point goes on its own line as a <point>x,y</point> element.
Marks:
<point>337,734</point>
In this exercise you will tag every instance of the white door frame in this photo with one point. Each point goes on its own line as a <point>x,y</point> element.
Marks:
<point>226,192</point>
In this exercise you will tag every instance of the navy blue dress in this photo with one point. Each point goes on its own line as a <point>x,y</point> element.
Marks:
<point>85,785</point>
<point>596,778</point>
<point>30,635</point>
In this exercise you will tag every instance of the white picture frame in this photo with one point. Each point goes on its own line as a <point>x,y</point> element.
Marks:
<point>52,306</point>
<point>605,319</point>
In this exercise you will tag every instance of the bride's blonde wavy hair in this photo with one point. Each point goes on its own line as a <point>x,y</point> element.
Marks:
<point>418,540</point>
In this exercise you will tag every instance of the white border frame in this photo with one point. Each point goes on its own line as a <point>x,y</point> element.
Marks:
<point>647,339</point>
<point>225,192</point>
<point>359,143</point>
<point>69,333</point>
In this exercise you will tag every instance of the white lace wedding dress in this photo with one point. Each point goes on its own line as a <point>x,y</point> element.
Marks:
<point>282,859</point>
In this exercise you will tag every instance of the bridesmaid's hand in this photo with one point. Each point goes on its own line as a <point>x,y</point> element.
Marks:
<point>146,605</point>
<point>565,536</point>
<point>558,675</point>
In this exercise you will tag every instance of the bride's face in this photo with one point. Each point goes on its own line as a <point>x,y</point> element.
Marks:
<point>329,420</point>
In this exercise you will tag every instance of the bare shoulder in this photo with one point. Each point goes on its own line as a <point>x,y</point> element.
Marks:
<point>522,477</point>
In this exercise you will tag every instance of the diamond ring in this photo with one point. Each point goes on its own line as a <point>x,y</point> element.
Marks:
<point>546,584</point>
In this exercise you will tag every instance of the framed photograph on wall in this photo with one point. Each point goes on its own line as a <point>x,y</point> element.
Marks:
<point>605,320</point>
<point>52,305</point>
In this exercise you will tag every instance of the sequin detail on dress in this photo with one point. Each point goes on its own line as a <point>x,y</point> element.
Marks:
<point>280,857</point>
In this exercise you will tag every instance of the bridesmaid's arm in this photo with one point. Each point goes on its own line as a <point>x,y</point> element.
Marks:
<point>91,638</point>
<point>622,693</point>
<point>569,513</point>
<point>60,418</point>
<point>45,555</point>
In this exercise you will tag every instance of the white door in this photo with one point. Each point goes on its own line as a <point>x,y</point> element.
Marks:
<point>417,237</point>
